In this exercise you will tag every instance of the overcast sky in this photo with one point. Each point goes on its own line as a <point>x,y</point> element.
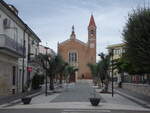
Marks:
<point>51,20</point>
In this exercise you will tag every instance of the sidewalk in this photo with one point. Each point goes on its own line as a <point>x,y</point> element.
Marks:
<point>136,97</point>
<point>15,97</point>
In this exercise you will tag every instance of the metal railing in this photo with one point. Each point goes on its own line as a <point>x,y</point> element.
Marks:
<point>10,44</point>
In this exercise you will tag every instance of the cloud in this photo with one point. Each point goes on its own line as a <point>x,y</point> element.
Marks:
<point>52,19</point>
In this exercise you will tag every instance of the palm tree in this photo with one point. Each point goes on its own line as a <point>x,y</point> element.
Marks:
<point>94,72</point>
<point>51,65</point>
<point>71,71</point>
<point>103,67</point>
<point>68,72</point>
<point>55,65</point>
<point>61,70</point>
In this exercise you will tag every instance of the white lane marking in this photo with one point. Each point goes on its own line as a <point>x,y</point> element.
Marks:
<point>82,110</point>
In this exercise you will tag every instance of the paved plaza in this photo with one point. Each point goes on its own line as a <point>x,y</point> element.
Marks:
<point>74,98</point>
<point>78,92</point>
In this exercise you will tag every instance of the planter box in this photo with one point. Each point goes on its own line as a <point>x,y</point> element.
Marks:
<point>94,101</point>
<point>26,100</point>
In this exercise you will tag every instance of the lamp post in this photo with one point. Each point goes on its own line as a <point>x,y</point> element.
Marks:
<point>112,54</point>
<point>29,67</point>
<point>23,71</point>
<point>24,56</point>
<point>46,74</point>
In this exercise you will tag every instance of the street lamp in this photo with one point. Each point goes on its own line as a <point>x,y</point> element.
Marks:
<point>29,67</point>
<point>112,54</point>
<point>46,73</point>
<point>24,47</point>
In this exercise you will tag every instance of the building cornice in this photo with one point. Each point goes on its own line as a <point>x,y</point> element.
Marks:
<point>115,45</point>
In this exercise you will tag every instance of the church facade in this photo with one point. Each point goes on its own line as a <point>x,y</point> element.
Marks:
<point>78,53</point>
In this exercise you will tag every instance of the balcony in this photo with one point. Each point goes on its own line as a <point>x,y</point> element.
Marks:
<point>11,47</point>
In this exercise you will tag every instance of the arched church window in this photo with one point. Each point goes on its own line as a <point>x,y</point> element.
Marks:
<point>72,57</point>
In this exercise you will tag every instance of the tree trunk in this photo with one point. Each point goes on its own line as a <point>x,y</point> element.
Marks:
<point>106,86</point>
<point>60,80</point>
<point>122,76</point>
<point>148,78</point>
<point>51,83</point>
<point>102,81</point>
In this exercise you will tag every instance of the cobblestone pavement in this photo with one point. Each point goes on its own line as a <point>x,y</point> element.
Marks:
<point>75,99</point>
<point>79,92</point>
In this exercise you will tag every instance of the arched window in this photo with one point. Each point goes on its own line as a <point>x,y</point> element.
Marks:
<point>72,57</point>
<point>92,31</point>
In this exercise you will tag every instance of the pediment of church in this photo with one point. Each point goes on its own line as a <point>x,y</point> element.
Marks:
<point>72,41</point>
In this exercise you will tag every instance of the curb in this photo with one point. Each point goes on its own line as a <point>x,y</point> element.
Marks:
<point>134,99</point>
<point>18,100</point>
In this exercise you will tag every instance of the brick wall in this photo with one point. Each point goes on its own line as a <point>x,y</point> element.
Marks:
<point>84,56</point>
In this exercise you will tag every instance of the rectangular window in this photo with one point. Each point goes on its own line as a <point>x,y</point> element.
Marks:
<point>115,52</point>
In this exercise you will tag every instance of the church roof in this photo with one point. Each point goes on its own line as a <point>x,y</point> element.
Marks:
<point>76,40</point>
<point>92,22</point>
<point>73,37</point>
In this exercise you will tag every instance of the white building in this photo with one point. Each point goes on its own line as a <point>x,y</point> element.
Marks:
<point>43,49</point>
<point>17,44</point>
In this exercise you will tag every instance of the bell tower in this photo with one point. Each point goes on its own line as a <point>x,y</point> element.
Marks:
<point>92,33</point>
<point>92,39</point>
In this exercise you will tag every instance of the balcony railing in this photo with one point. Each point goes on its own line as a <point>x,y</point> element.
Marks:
<point>11,45</point>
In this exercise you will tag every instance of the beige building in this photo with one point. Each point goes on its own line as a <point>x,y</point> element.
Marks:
<point>17,44</point>
<point>118,50</point>
<point>78,53</point>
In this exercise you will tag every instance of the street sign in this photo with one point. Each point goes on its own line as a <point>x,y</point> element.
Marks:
<point>29,69</point>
